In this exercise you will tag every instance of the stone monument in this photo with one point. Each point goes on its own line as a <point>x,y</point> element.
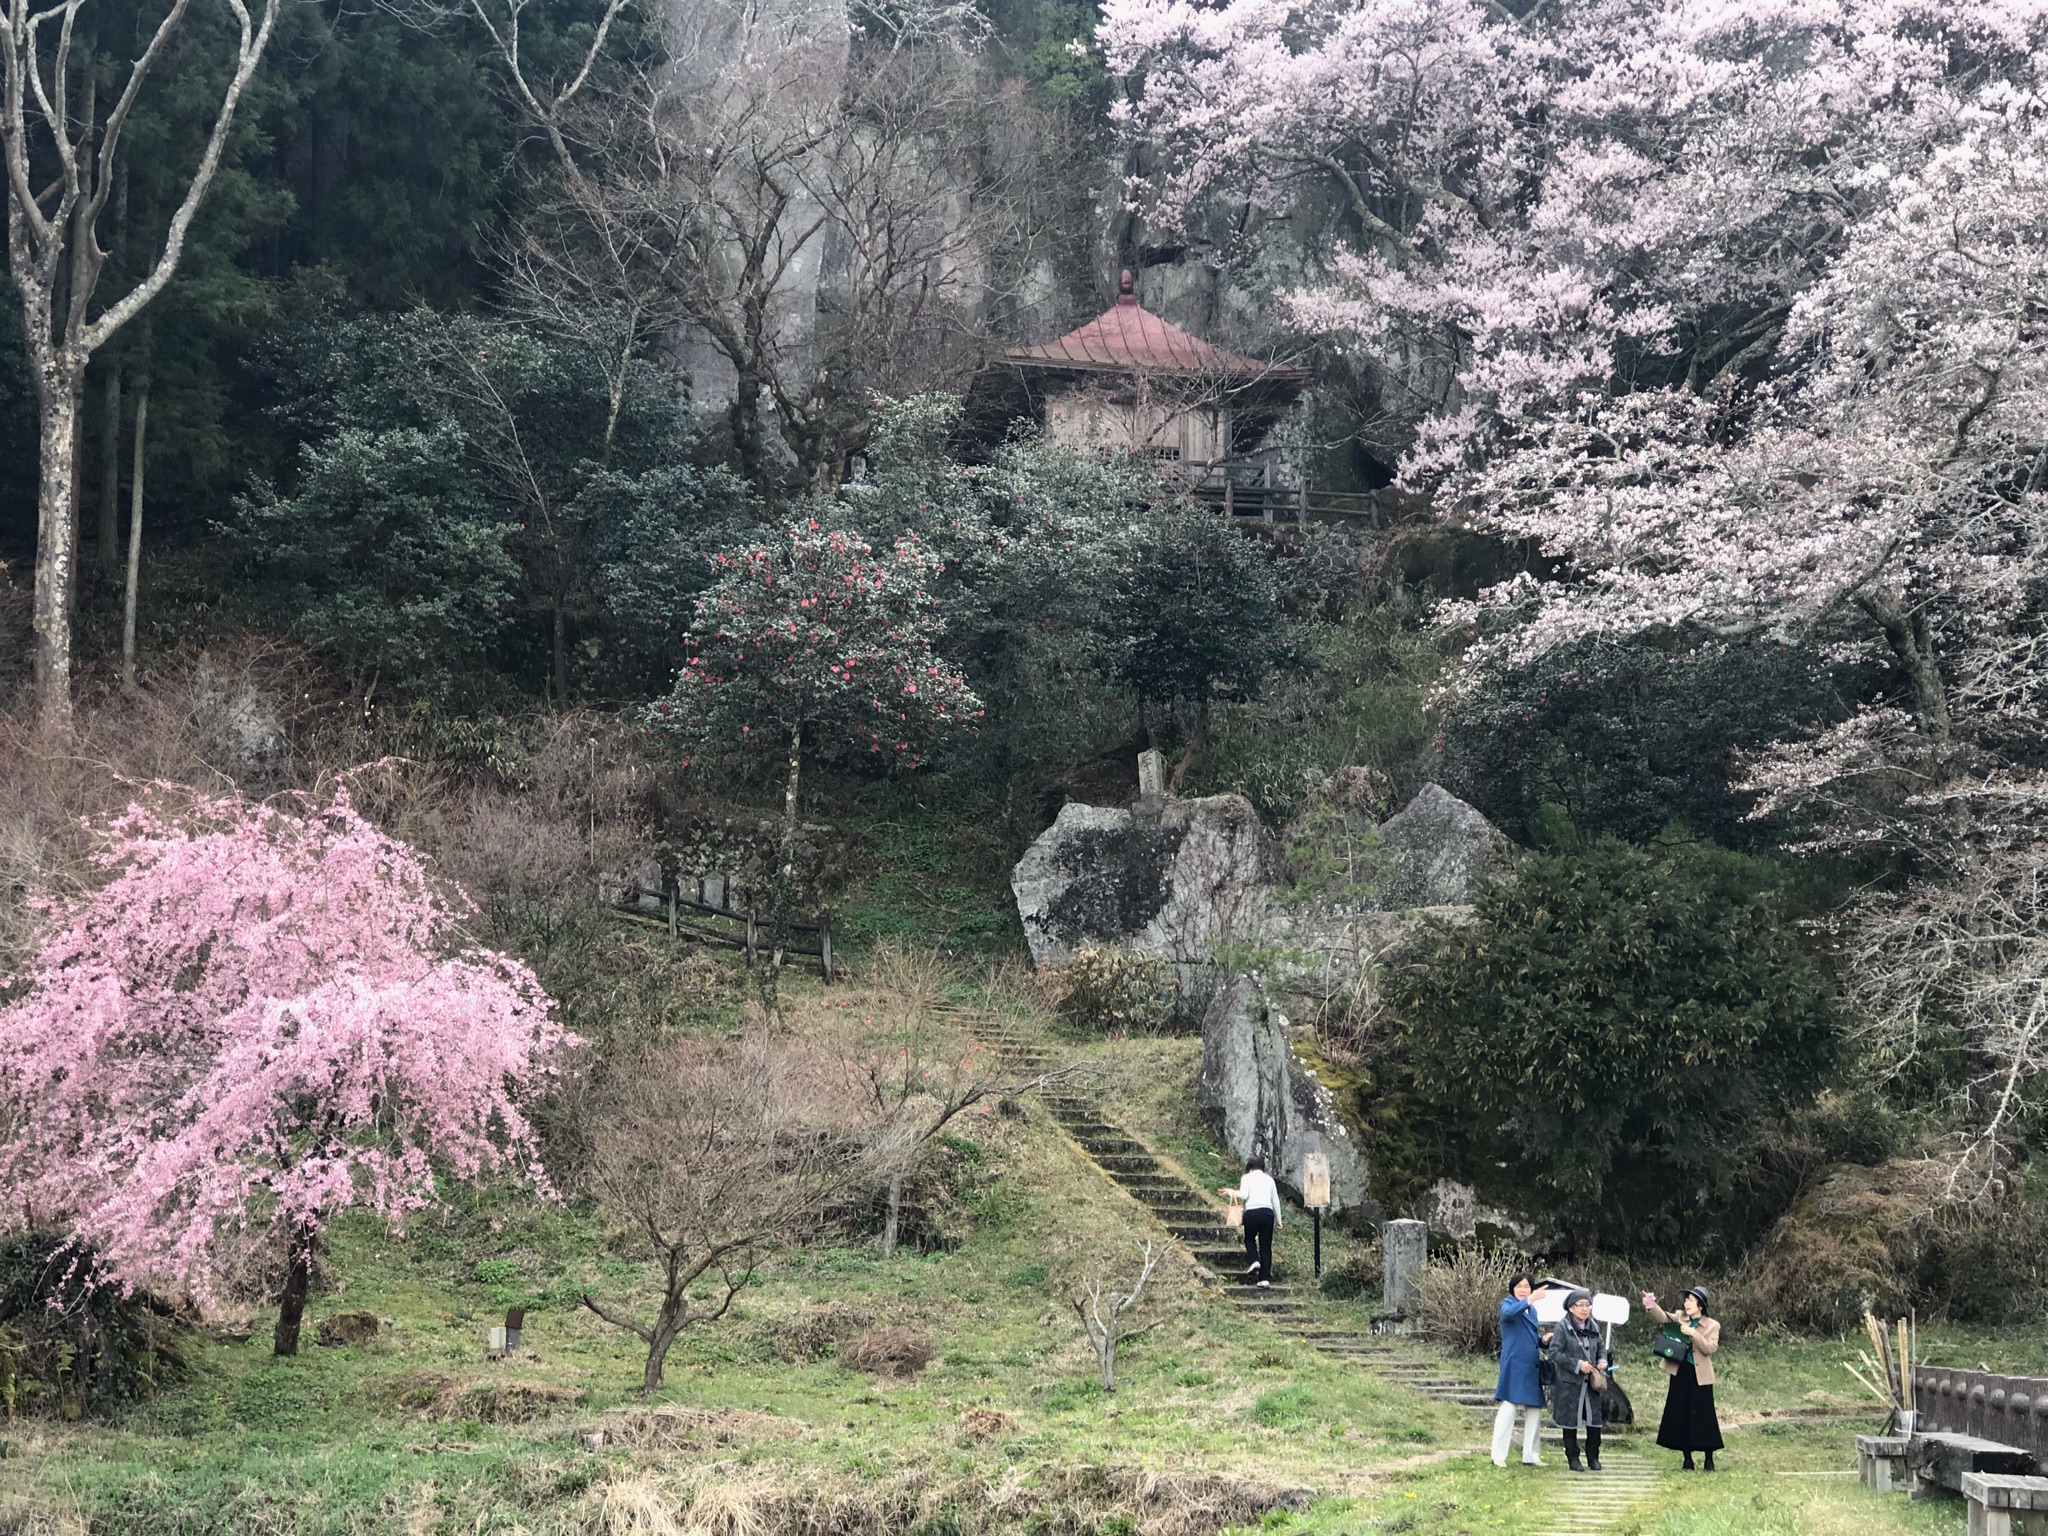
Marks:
<point>1151,774</point>
<point>1405,1245</point>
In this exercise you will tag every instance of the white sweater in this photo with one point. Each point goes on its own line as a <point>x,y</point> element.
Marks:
<point>1258,1192</point>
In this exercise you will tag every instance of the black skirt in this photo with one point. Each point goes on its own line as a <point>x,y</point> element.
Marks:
<point>1689,1423</point>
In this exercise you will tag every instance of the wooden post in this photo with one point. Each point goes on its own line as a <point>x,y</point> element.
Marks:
<point>825,946</point>
<point>753,936</point>
<point>672,890</point>
<point>1301,506</point>
<point>1229,496</point>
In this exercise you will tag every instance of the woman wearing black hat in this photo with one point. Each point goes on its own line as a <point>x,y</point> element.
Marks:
<point>1690,1423</point>
<point>1581,1360</point>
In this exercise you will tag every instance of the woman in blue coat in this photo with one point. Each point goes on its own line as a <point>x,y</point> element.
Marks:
<point>1521,1344</point>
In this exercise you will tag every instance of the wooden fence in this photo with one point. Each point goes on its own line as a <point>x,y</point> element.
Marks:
<point>715,922</point>
<point>1260,508</point>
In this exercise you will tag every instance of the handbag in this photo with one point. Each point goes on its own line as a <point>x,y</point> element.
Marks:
<point>1672,1347</point>
<point>1599,1381</point>
<point>1233,1215</point>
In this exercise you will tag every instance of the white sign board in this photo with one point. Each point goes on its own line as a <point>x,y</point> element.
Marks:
<point>1612,1310</point>
<point>1315,1180</point>
<point>1550,1305</point>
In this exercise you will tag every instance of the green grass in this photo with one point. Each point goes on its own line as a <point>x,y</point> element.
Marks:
<point>351,1439</point>
<point>932,875</point>
<point>1782,1480</point>
<point>415,1434</point>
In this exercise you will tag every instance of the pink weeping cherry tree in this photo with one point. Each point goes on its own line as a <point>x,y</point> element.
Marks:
<point>267,1015</point>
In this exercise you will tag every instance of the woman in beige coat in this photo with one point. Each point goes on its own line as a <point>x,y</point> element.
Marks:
<point>1689,1422</point>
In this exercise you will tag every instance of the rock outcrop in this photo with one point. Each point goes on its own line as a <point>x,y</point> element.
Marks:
<point>1437,848</point>
<point>1181,885</point>
<point>1266,1100</point>
<point>1193,880</point>
<point>1455,1210</point>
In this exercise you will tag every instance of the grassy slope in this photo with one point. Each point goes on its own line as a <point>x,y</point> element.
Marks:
<point>399,1435</point>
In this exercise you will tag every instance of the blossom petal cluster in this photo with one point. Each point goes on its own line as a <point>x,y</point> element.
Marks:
<point>266,1014</point>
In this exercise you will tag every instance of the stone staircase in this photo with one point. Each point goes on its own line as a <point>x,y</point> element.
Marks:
<point>1587,1505</point>
<point>1189,1214</point>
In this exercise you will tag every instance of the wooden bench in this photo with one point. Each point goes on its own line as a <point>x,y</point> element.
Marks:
<point>1943,1460</point>
<point>2004,1505</point>
<point>1881,1462</point>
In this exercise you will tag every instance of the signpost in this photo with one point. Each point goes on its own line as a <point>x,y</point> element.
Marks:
<point>1315,1194</point>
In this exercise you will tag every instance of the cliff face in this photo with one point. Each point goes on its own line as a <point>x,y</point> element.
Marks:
<point>1041,225</point>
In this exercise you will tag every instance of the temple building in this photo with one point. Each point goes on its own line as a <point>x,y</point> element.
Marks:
<point>1129,382</point>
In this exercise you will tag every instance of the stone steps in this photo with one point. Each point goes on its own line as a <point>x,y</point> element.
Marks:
<point>1186,1213</point>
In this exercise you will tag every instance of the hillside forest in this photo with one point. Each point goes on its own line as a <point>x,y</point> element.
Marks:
<point>491,489</point>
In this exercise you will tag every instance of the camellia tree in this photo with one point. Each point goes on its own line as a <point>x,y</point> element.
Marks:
<point>266,1016</point>
<point>810,640</point>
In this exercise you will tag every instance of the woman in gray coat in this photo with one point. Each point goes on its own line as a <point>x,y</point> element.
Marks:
<point>1580,1360</point>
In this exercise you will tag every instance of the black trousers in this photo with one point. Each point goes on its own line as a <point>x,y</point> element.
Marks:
<point>1258,1241</point>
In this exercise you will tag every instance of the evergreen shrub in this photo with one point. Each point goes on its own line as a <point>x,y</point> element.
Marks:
<point>1608,1044</point>
<point>73,1343</point>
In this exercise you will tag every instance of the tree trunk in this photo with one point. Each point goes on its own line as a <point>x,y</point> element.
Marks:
<point>77,519</point>
<point>56,543</point>
<point>745,417</point>
<point>667,1328</point>
<point>107,546</point>
<point>785,877</point>
<point>1197,740</point>
<point>1107,1357</point>
<point>1912,646</point>
<point>298,1281</point>
<point>558,665</point>
<point>894,1222</point>
<point>130,591</point>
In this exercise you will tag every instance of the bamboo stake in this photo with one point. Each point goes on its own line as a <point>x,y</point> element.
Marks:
<point>1882,1364</point>
<point>1869,1385</point>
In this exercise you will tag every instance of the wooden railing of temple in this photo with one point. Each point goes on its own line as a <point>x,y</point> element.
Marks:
<point>1280,508</point>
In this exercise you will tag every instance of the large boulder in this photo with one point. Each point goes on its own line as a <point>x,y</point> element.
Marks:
<point>1437,848</point>
<point>1179,884</point>
<point>1266,1100</point>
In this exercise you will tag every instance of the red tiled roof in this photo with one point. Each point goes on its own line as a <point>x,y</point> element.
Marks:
<point>1130,338</point>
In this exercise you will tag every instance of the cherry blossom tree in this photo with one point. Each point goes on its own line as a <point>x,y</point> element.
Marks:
<point>811,641</point>
<point>1535,200</point>
<point>1730,310</point>
<point>267,1015</point>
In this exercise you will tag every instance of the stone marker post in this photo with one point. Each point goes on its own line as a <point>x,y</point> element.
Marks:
<point>1151,774</point>
<point>1406,1246</point>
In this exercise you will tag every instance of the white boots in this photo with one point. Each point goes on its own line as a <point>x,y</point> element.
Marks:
<point>1504,1434</point>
